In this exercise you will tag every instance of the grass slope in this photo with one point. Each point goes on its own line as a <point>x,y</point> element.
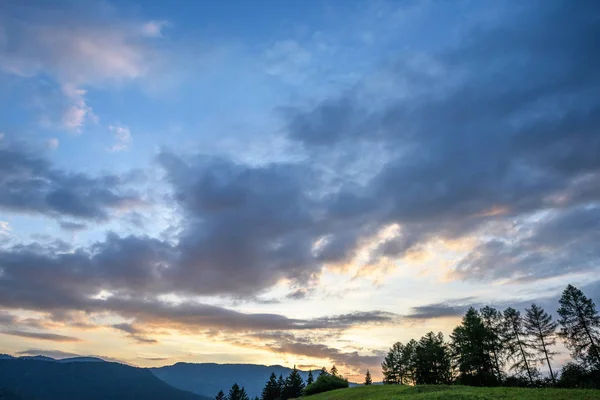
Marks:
<point>453,393</point>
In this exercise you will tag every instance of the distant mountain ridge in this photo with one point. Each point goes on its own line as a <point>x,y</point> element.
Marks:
<point>208,378</point>
<point>204,379</point>
<point>48,379</point>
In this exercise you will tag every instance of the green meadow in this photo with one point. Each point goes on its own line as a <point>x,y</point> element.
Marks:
<point>398,392</point>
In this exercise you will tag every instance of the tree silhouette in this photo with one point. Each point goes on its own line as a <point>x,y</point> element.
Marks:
<point>471,351</point>
<point>271,391</point>
<point>293,385</point>
<point>368,380</point>
<point>237,393</point>
<point>516,342</point>
<point>220,395</point>
<point>310,378</point>
<point>580,325</point>
<point>540,327</point>
<point>432,360</point>
<point>334,371</point>
<point>493,321</point>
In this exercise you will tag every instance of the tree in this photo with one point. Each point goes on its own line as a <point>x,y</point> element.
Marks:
<point>368,380</point>
<point>293,385</point>
<point>323,371</point>
<point>391,365</point>
<point>271,391</point>
<point>220,395</point>
<point>334,371</point>
<point>235,393</point>
<point>310,378</point>
<point>432,360</point>
<point>281,384</point>
<point>493,321</point>
<point>540,327</point>
<point>516,343</point>
<point>325,383</point>
<point>580,325</point>
<point>471,351</point>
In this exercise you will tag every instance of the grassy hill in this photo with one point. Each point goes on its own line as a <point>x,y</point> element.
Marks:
<point>454,393</point>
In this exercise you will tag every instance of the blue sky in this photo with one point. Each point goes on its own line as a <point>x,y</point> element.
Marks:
<point>294,182</point>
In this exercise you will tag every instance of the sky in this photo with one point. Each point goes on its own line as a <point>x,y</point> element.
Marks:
<point>290,182</point>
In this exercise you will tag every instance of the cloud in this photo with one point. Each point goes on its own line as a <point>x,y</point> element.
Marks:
<point>77,46</point>
<point>122,136</point>
<point>30,184</point>
<point>41,335</point>
<point>72,226</point>
<point>56,354</point>
<point>52,143</point>
<point>134,333</point>
<point>5,228</point>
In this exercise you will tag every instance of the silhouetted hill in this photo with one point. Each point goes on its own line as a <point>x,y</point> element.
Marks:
<point>208,378</point>
<point>8,395</point>
<point>43,380</point>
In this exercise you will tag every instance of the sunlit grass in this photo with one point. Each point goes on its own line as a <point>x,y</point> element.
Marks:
<point>390,392</point>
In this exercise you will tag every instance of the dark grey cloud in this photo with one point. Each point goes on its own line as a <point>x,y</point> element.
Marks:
<point>41,335</point>
<point>30,184</point>
<point>571,235</point>
<point>134,333</point>
<point>72,226</point>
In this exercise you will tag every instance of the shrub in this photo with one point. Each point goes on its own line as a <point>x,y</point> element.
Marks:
<point>325,383</point>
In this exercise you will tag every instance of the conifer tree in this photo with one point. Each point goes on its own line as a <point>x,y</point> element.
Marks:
<point>220,395</point>
<point>493,321</point>
<point>293,385</point>
<point>516,343</point>
<point>432,361</point>
<point>310,378</point>
<point>334,371</point>
<point>580,325</point>
<point>281,384</point>
<point>271,391</point>
<point>392,374</point>
<point>470,349</point>
<point>368,380</point>
<point>323,371</point>
<point>237,393</point>
<point>540,327</point>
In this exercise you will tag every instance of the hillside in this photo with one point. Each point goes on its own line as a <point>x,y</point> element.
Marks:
<point>208,378</point>
<point>454,392</point>
<point>43,380</point>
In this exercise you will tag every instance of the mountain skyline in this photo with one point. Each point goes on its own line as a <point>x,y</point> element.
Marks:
<point>296,183</point>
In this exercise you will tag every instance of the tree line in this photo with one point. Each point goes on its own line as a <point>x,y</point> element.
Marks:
<point>491,348</point>
<point>293,386</point>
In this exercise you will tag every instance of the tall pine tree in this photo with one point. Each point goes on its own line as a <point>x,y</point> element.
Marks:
<point>220,396</point>
<point>542,330</point>
<point>516,343</point>
<point>580,325</point>
<point>293,385</point>
<point>432,361</point>
<point>471,351</point>
<point>271,391</point>
<point>368,379</point>
<point>281,384</point>
<point>334,371</point>
<point>493,321</point>
<point>237,393</point>
<point>310,378</point>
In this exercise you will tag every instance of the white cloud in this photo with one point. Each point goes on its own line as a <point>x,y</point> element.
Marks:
<point>52,143</point>
<point>122,136</point>
<point>154,28</point>
<point>5,228</point>
<point>78,48</point>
